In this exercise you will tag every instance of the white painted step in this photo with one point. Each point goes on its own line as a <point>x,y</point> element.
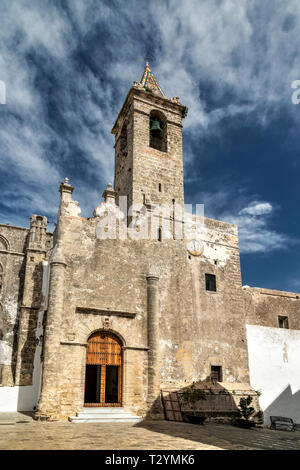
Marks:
<point>76,419</point>
<point>105,415</point>
<point>104,409</point>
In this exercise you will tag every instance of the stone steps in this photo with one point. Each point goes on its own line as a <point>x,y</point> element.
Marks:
<point>104,415</point>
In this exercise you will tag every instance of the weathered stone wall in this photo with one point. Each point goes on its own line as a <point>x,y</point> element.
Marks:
<point>21,254</point>
<point>263,306</point>
<point>38,249</point>
<point>107,279</point>
<point>12,260</point>
<point>123,180</point>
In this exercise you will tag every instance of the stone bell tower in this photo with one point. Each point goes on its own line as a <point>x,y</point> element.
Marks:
<point>148,145</point>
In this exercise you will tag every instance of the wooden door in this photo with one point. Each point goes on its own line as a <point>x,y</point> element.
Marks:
<point>103,382</point>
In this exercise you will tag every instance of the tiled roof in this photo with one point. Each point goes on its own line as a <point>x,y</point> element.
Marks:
<point>149,81</point>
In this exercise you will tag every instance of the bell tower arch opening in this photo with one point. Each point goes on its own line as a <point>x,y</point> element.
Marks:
<point>103,375</point>
<point>158,138</point>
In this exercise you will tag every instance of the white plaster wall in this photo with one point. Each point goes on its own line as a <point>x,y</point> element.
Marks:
<point>275,370</point>
<point>23,398</point>
<point>17,398</point>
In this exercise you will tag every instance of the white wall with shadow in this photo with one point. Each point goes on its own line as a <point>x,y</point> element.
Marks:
<point>274,367</point>
<point>23,397</point>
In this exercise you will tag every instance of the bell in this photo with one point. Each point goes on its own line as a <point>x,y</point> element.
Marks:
<point>155,126</point>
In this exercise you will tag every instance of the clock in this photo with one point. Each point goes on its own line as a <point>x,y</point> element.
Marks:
<point>195,247</point>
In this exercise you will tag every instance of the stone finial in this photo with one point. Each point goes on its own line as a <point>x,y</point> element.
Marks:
<point>67,205</point>
<point>65,187</point>
<point>137,84</point>
<point>108,206</point>
<point>109,194</point>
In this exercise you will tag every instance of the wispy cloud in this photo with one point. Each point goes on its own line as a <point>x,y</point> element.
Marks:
<point>253,218</point>
<point>257,208</point>
<point>68,66</point>
<point>256,234</point>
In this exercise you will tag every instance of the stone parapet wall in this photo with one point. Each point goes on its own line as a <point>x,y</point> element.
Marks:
<point>264,306</point>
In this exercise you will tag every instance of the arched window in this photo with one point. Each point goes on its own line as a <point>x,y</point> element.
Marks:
<point>158,131</point>
<point>3,243</point>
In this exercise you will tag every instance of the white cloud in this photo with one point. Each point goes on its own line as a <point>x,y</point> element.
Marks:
<point>253,219</point>
<point>248,48</point>
<point>256,235</point>
<point>257,208</point>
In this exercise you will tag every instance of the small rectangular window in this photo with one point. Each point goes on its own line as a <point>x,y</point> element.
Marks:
<point>216,373</point>
<point>283,322</point>
<point>159,187</point>
<point>210,282</point>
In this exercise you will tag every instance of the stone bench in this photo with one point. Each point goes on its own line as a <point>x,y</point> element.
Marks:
<point>282,422</point>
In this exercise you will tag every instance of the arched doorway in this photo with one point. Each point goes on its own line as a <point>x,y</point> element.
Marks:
<point>103,377</point>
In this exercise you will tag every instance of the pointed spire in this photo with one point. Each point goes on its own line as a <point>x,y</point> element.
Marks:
<point>149,81</point>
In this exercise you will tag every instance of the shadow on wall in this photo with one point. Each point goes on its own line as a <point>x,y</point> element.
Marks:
<point>24,395</point>
<point>27,353</point>
<point>27,397</point>
<point>17,398</point>
<point>221,403</point>
<point>286,404</point>
<point>20,300</point>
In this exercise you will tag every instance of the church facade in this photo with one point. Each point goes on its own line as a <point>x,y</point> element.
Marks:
<point>143,297</point>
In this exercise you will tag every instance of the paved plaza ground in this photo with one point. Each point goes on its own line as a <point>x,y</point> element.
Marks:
<point>156,435</point>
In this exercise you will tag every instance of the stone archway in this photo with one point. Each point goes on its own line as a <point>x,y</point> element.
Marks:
<point>103,374</point>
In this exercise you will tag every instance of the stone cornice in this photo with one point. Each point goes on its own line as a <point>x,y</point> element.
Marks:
<point>105,312</point>
<point>73,343</point>
<point>7,252</point>
<point>135,91</point>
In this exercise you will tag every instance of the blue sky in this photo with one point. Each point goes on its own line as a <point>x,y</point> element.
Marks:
<point>68,65</point>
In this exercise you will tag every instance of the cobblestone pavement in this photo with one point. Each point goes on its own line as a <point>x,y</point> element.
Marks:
<point>158,435</point>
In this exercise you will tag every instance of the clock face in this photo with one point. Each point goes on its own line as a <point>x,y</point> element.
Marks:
<point>195,247</point>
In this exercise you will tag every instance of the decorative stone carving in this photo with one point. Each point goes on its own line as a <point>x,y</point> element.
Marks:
<point>4,245</point>
<point>106,323</point>
<point>38,231</point>
<point>109,207</point>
